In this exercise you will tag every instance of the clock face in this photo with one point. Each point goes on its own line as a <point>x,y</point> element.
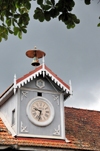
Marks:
<point>40,111</point>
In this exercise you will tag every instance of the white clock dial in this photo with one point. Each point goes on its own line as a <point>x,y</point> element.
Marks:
<point>40,111</point>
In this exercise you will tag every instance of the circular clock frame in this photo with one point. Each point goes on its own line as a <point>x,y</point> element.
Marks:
<point>30,116</point>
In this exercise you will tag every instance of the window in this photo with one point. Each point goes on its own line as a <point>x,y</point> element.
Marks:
<point>39,94</point>
<point>13,117</point>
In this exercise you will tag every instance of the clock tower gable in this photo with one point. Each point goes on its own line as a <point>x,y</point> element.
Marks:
<point>41,105</point>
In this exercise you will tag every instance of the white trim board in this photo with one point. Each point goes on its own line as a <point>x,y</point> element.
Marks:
<point>7,124</point>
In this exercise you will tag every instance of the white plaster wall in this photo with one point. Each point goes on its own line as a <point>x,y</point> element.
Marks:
<point>7,108</point>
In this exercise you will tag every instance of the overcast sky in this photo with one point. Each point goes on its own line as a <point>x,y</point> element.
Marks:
<point>71,54</point>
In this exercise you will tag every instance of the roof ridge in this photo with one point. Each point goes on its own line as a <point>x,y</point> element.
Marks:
<point>82,109</point>
<point>28,74</point>
<point>6,90</point>
<point>57,77</point>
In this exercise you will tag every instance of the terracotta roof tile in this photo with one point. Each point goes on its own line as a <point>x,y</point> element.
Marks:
<point>82,128</point>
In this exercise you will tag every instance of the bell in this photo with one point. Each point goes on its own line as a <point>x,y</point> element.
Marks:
<point>35,62</point>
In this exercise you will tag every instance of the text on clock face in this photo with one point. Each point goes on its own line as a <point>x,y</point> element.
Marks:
<point>40,111</point>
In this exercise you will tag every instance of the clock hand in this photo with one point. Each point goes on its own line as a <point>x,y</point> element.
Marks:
<point>37,109</point>
<point>39,115</point>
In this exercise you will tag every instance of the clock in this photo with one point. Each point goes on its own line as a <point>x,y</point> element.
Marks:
<point>40,111</point>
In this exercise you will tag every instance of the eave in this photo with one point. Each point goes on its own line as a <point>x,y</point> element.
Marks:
<point>41,70</point>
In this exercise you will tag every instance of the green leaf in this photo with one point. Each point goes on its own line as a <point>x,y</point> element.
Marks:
<point>68,26</point>
<point>24,30</point>
<point>16,15</point>
<point>61,17</point>
<point>54,13</point>
<point>53,2</point>
<point>10,31</point>
<point>98,25</point>
<point>28,5</point>
<point>16,30</point>
<point>39,14</point>
<point>0,38</point>
<point>20,34</point>
<point>40,2</point>
<point>2,18</point>
<point>1,28</point>
<point>47,16</point>
<point>8,22</point>
<point>4,36</point>
<point>41,18</point>
<point>87,2</point>
<point>77,21</point>
<point>47,7</point>
<point>13,22</point>
<point>20,20</point>
<point>48,2</point>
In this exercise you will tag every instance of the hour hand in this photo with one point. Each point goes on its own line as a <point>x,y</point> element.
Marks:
<point>37,110</point>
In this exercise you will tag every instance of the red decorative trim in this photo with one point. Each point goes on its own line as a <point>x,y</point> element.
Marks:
<point>57,77</point>
<point>29,74</point>
<point>6,90</point>
<point>40,139</point>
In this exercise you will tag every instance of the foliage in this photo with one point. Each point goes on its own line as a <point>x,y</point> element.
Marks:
<point>14,14</point>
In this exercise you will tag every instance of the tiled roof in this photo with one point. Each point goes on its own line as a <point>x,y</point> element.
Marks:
<point>82,128</point>
<point>5,136</point>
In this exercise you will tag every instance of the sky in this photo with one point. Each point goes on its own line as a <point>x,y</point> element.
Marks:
<point>72,54</point>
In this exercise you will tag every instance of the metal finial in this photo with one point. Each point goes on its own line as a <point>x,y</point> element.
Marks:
<point>43,60</point>
<point>71,92</point>
<point>15,84</point>
<point>35,47</point>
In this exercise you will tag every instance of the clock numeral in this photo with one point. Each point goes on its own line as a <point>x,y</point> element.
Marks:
<point>46,108</point>
<point>34,113</point>
<point>46,115</point>
<point>37,104</point>
<point>47,111</point>
<point>43,105</point>
<point>37,117</point>
<point>40,103</point>
<point>33,108</point>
